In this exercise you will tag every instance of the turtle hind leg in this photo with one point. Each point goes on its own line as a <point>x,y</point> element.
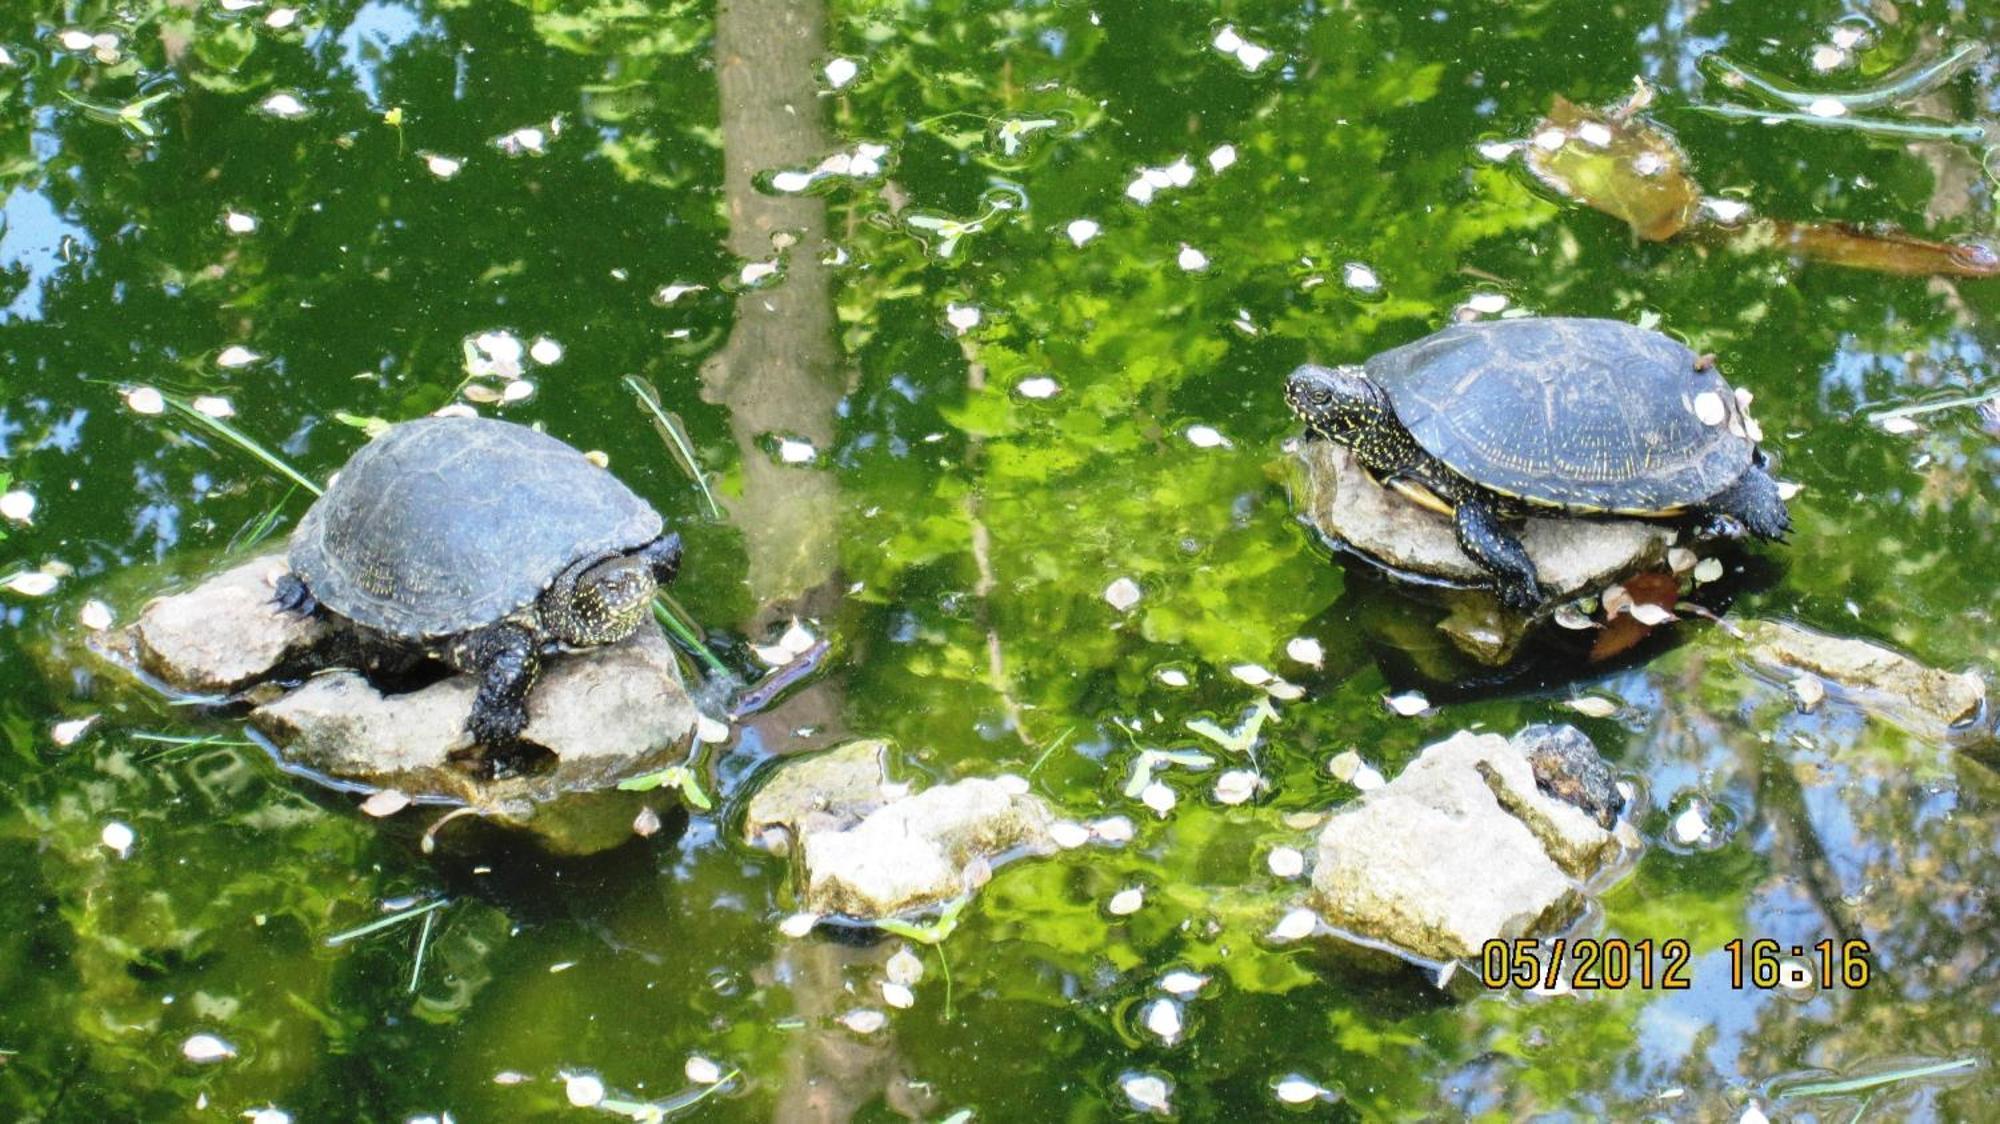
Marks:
<point>1498,552</point>
<point>290,595</point>
<point>1752,505</point>
<point>505,658</point>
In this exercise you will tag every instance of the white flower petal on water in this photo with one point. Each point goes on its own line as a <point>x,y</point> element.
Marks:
<point>1037,387</point>
<point>18,506</point>
<point>204,1048</point>
<point>1253,674</point>
<point>1286,862</point>
<point>1827,107</point>
<point>792,450</point>
<point>95,615</point>
<point>1237,786</point>
<point>121,838</point>
<point>236,222</point>
<point>236,355</point>
<point>66,733</point>
<point>1296,925</point>
<point>1252,56</point>
<point>840,71</point>
<point>1068,834</point>
<point>1081,230</point>
<point>1680,559</point>
<point>520,390</point>
<point>1305,650</point>
<point>1487,303</point>
<point>145,400</point>
<point>1163,1018</point>
<point>1140,190</point>
<point>1126,902</point>
<point>1550,139</point>
<point>214,406</point>
<point>285,106</point>
<point>904,967</point>
<point>386,802</point>
<point>1596,134</point>
<point>1409,704</point>
<point>757,271</point>
<point>701,1070</point>
<point>864,1020</point>
<point>455,410</point>
<point>1191,259</point>
<point>584,1090</point>
<point>545,351</point>
<point>647,823</point>
<point>1809,690</point>
<point>1649,164</point>
<point>1226,40</point>
<point>73,39</point>
<point>1222,156</point>
<point>792,182</point>
<point>1183,983</point>
<point>1284,692</point>
<point>1650,615</point>
<point>798,924</point>
<point>1367,778</point>
<point>528,138</point>
<point>1708,570</point>
<point>1298,1090</point>
<point>1113,829</point>
<point>1789,490</point>
<point>1122,594</point>
<point>281,18</point>
<point>962,317</point>
<point>668,294</point>
<point>1172,677</point>
<point>1848,36</point>
<point>32,583</point>
<point>898,996</point>
<point>1592,706</point>
<point>1753,1115</point>
<point>1900,425</point>
<point>269,1114</point>
<point>1159,798</point>
<point>443,167</point>
<point>1827,57</point>
<point>1498,151</point>
<point>1148,1092</point>
<point>1360,278</point>
<point>1725,210</point>
<point>1206,437</point>
<point>1692,824</point>
<point>1180,173</point>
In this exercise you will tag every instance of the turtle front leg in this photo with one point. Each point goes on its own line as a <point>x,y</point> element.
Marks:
<point>1751,504</point>
<point>506,660</point>
<point>291,595</point>
<point>1486,541</point>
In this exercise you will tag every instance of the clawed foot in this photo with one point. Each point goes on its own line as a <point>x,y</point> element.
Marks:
<point>290,595</point>
<point>1721,526</point>
<point>497,726</point>
<point>1522,597</point>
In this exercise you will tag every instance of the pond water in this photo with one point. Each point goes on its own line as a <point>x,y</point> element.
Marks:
<point>1021,337</point>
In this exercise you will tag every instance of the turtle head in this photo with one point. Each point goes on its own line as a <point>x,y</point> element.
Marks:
<point>610,600</point>
<point>1339,403</point>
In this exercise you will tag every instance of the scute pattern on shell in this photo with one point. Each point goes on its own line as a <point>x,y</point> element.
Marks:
<point>1589,415</point>
<point>443,525</point>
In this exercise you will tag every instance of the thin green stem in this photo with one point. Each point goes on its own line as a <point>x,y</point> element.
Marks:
<point>1928,130</point>
<point>393,919</point>
<point>242,441</point>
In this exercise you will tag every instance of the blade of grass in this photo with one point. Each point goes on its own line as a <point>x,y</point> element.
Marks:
<point>242,441</point>
<point>675,620</point>
<point>675,435</point>
<point>1874,1080</point>
<point>423,944</point>
<point>393,919</point>
<point>1874,126</point>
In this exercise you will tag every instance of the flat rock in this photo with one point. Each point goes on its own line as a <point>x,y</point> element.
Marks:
<point>606,713</point>
<point>866,851</point>
<point>1460,849</point>
<point>223,635</point>
<point>1924,700</point>
<point>1573,556</point>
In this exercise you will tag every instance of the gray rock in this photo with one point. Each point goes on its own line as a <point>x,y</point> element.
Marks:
<point>1573,556</point>
<point>867,852</point>
<point>1923,700</point>
<point>607,714</point>
<point>1566,766</point>
<point>1460,849</point>
<point>223,635</point>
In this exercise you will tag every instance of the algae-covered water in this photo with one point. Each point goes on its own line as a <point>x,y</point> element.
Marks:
<point>972,312</point>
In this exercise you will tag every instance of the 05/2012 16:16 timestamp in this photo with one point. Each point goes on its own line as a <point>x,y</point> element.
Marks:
<point>1612,964</point>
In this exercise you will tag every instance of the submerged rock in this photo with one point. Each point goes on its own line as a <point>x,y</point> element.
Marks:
<point>1566,766</point>
<point>1462,848</point>
<point>1924,700</point>
<point>1573,556</point>
<point>866,850</point>
<point>604,714</point>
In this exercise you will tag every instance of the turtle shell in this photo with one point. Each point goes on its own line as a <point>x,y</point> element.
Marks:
<point>443,525</point>
<point>1583,415</point>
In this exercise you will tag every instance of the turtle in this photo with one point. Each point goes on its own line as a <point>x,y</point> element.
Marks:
<point>1490,421</point>
<point>483,544</point>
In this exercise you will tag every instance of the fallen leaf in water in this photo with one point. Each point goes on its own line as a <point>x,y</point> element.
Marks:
<point>1627,168</point>
<point>1885,250</point>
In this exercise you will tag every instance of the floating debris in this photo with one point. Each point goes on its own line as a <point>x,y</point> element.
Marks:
<point>1250,55</point>
<point>281,18</point>
<point>1360,278</point>
<point>31,583</point>
<point>120,839</point>
<point>1222,156</point>
<point>1809,690</point>
<point>1649,614</point>
<point>1206,437</point>
<point>1827,107</point>
<point>1122,594</point>
<point>18,506</point>
<point>898,996</point>
<point>1068,834</point>
<point>66,733</point>
<point>145,400</point>
<point>441,166</point>
<point>205,1048</point>
<point>1725,211</point>
<point>701,1070</point>
<point>236,222</point>
<point>213,406</point>
<point>796,641</point>
<point>1150,181</point>
<point>1708,408</point>
<point>285,106</point>
<point>864,1020</point>
<point>1172,676</point>
<point>1163,1018</point>
<point>962,317</point>
<point>647,823</point>
<point>1081,230</point>
<point>904,967</point>
<point>527,140</point>
<point>95,615</point>
<point>668,294</point>
<point>1148,1092</point>
<point>1691,826</point>
<point>1286,862</point>
<point>1191,259</point>
<point>235,356</point>
<point>1126,902</point>
<point>1252,674</point>
<point>1157,796</point>
<point>584,1090</point>
<point>1183,983</point>
<point>1305,650</point>
<point>269,1114</point>
<point>796,450</point>
<point>1294,1089</point>
<point>1900,425</point>
<point>1237,786</point>
<point>860,162</point>
<point>1708,570</point>
<point>1349,767</point>
<point>1487,304</point>
<point>545,351</point>
<point>1409,704</point>
<point>1299,924</point>
<point>1498,151</point>
<point>1113,829</point>
<point>798,924</point>
<point>840,71</point>
<point>1037,387</point>
<point>386,802</point>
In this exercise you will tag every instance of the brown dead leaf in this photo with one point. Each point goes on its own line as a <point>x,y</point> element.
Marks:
<point>1627,168</point>
<point>1885,250</point>
<point>1659,589</point>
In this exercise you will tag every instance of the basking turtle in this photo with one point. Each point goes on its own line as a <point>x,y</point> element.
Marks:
<point>483,544</point>
<point>1491,421</point>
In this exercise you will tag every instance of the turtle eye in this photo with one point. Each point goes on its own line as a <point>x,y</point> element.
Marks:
<point>1322,397</point>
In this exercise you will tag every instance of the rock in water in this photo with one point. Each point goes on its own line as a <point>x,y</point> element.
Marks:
<point>1923,700</point>
<point>225,634</point>
<point>1462,848</point>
